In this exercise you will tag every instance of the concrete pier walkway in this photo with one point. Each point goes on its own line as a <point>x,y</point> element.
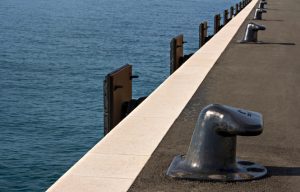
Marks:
<point>263,77</point>
<point>260,77</point>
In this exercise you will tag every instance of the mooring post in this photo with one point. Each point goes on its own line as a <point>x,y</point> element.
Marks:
<point>117,89</point>
<point>236,9</point>
<point>217,128</point>
<point>176,52</point>
<point>217,24</point>
<point>117,92</point>
<point>231,12</point>
<point>251,32</point>
<point>225,19</point>
<point>202,33</point>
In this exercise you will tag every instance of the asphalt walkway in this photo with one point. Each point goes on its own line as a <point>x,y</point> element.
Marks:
<point>260,77</point>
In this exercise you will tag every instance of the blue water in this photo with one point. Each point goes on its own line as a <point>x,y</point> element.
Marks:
<point>54,55</point>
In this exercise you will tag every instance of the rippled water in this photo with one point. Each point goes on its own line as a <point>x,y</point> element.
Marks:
<point>54,55</point>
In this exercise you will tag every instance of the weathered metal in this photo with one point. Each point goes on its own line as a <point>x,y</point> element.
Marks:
<point>262,4</point>
<point>225,17</point>
<point>231,12</point>
<point>176,51</point>
<point>258,14</point>
<point>203,34</point>
<point>217,23</point>
<point>117,92</point>
<point>236,9</point>
<point>212,151</point>
<point>177,58</point>
<point>251,32</point>
<point>117,89</point>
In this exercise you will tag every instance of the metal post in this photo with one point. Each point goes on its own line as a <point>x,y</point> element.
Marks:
<point>176,51</point>
<point>202,33</point>
<point>225,21</point>
<point>217,24</point>
<point>117,89</point>
<point>231,12</point>
<point>211,155</point>
<point>236,9</point>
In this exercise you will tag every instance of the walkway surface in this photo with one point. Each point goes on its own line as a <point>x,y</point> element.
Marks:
<point>259,77</point>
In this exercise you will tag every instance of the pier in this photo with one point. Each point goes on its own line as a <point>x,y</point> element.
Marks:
<point>261,76</point>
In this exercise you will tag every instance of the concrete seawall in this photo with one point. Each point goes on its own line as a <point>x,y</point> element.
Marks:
<point>263,77</point>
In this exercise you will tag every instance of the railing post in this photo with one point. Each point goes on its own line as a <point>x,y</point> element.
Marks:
<point>236,9</point>
<point>217,24</point>
<point>202,33</point>
<point>117,89</point>
<point>176,51</point>
<point>231,12</point>
<point>225,19</point>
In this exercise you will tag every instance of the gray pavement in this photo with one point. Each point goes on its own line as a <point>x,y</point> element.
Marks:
<point>259,77</point>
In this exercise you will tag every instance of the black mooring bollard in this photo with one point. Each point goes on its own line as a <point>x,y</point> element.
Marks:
<point>225,17</point>
<point>217,23</point>
<point>258,14</point>
<point>212,152</point>
<point>231,12</point>
<point>203,34</point>
<point>262,4</point>
<point>251,33</point>
<point>236,9</point>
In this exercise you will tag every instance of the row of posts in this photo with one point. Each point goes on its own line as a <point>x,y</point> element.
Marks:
<point>117,86</point>
<point>177,57</point>
<point>201,162</point>
<point>227,16</point>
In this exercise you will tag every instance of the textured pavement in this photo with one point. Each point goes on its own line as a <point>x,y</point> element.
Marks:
<point>260,77</point>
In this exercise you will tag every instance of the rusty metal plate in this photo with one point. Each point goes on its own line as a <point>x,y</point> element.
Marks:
<point>176,52</point>
<point>117,90</point>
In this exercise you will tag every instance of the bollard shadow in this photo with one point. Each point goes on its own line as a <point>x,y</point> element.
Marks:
<point>278,20</point>
<point>283,171</point>
<point>271,9</point>
<point>275,43</point>
<point>264,43</point>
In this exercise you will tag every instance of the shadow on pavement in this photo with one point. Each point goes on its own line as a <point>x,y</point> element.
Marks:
<point>283,171</point>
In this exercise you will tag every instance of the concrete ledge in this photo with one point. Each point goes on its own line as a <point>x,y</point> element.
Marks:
<point>114,163</point>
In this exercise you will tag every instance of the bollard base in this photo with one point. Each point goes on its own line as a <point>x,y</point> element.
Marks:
<point>249,42</point>
<point>244,171</point>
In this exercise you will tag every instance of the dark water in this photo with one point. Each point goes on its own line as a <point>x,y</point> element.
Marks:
<point>54,55</point>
